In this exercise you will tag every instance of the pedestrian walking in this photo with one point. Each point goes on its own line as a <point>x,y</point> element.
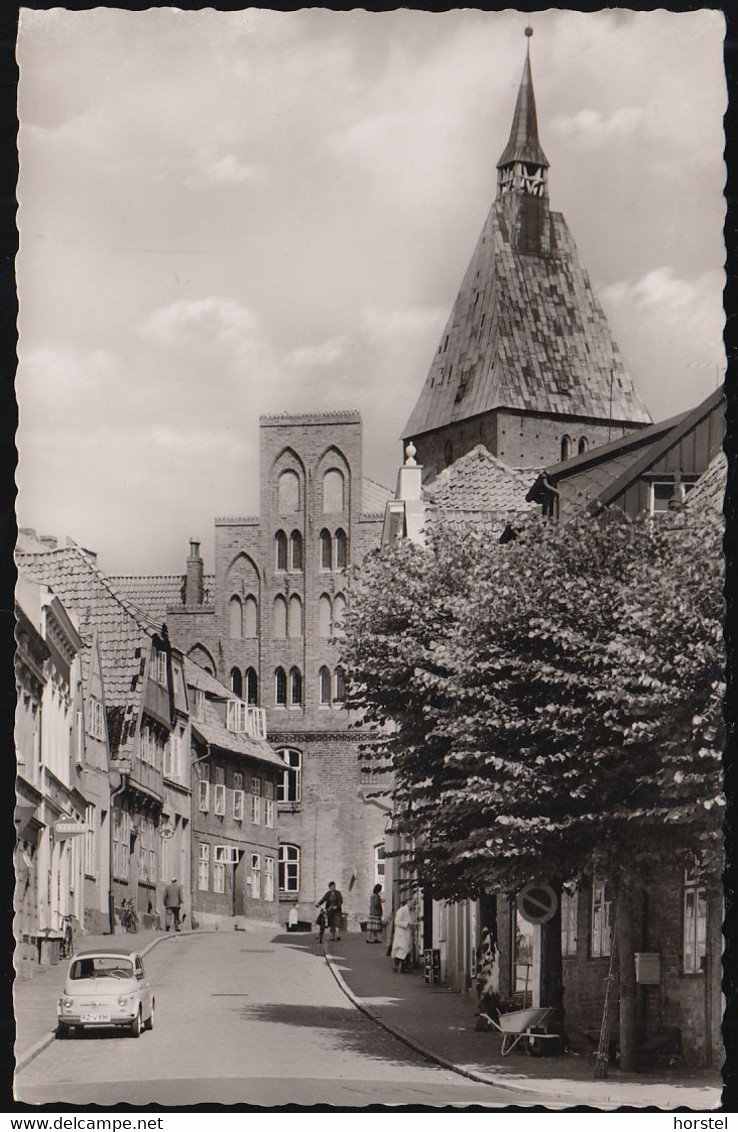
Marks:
<point>375,922</point>
<point>402,936</point>
<point>173,901</point>
<point>333,901</point>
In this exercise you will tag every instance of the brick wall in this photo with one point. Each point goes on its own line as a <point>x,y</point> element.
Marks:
<point>518,440</point>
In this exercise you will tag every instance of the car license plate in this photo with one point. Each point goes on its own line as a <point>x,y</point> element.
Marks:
<point>96,1016</point>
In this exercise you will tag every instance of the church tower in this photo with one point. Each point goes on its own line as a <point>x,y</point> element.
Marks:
<point>527,365</point>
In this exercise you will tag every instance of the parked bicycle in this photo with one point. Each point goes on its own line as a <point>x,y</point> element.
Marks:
<point>66,947</point>
<point>129,916</point>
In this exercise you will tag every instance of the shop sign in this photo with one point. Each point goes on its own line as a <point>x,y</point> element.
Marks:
<point>69,827</point>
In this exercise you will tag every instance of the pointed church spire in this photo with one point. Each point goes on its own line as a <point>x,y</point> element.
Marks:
<point>523,144</point>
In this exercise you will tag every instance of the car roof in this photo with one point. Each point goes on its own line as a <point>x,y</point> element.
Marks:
<point>120,952</point>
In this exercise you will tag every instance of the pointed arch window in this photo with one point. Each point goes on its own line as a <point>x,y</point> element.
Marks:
<point>236,682</point>
<point>280,687</point>
<point>341,550</point>
<point>295,687</point>
<point>250,617</point>
<point>289,493</point>
<point>251,687</point>
<point>326,550</point>
<point>295,551</point>
<point>280,540</point>
<point>339,694</point>
<point>324,616</point>
<point>294,617</point>
<point>583,445</point>
<point>324,685</point>
<point>333,491</point>
<point>339,613</point>
<point>565,447</point>
<point>280,617</point>
<point>235,617</point>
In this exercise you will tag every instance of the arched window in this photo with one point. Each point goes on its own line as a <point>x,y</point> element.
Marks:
<point>339,612</point>
<point>295,687</point>
<point>296,551</point>
<point>289,493</point>
<point>340,690</point>
<point>235,617</point>
<point>294,617</point>
<point>250,617</point>
<point>326,550</point>
<point>565,447</point>
<point>281,540</point>
<point>280,687</point>
<point>251,687</point>
<point>341,550</point>
<point>324,616</point>
<point>289,868</point>
<point>290,788</point>
<point>236,682</point>
<point>448,453</point>
<point>333,491</point>
<point>280,617</point>
<point>324,685</point>
<point>583,445</point>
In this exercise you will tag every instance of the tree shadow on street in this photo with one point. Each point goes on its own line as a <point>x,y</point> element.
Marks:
<point>354,1031</point>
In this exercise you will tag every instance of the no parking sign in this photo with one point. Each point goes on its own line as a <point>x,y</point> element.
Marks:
<point>537,902</point>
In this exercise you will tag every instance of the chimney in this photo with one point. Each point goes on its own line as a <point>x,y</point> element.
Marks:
<point>49,540</point>
<point>194,586</point>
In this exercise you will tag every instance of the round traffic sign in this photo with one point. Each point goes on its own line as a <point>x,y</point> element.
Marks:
<point>537,902</point>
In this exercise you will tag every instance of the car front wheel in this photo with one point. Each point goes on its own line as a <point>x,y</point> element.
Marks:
<point>137,1025</point>
<point>149,1024</point>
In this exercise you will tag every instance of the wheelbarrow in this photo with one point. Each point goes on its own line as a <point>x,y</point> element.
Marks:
<point>519,1024</point>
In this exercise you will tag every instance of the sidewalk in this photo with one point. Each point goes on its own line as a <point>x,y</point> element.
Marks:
<point>441,1024</point>
<point>34,1000</point>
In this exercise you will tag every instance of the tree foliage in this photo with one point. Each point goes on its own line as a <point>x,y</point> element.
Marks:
<point>546,700</point>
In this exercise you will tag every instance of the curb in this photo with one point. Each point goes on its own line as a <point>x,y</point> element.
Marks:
<point>43,1043</point>
<point>481,1078</point>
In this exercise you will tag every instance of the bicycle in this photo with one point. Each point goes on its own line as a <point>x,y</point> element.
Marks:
<point>129,916</point>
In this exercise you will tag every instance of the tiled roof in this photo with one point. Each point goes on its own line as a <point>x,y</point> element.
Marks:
<point>709,491</point>
<point>123,631</point>
<point>216,734</point>
<point>197,677</point>
<point>526,332</point>
<point>153,594</point>
<point>478,483</point>
<point>373,496</point>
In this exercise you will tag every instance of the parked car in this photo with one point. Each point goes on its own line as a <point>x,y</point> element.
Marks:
<point>106,987</point>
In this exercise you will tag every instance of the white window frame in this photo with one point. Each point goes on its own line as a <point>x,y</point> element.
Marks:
<point>292,774</point>
<point>569,917</point>
<point>269,878</point>
<point>238,796</point>
<point>203,790</point>
<point>198,705</point>
<point>96,720</point>
<point>159,667</point>
<point>91,840</point>
<point>203,867</point>
<point>289,868</point>
<point>269,804</point>
<point>600,942</point>
<point>219,800</point>
<point>256,876</point>
<point>255,800</point>
<point>694,926</point>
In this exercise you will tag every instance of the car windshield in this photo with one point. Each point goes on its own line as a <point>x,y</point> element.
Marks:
<point>102,967</point>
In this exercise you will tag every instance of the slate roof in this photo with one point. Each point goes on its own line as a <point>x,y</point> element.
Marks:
<point>527,333</point>
<point>197,677</point>
<point>480,483</point>
<point>523,143</point>
<point>123,631</point>
<point>373,496</point>
<point>213,731</point>
<point>153,594</point>
<point>709,491</point>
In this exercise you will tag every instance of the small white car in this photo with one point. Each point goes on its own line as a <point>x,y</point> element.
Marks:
<point>106,988</point>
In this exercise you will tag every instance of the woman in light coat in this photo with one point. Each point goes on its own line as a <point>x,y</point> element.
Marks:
<point>402,936</point>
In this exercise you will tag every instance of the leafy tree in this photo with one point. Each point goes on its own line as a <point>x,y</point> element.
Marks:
<point>547,702</point>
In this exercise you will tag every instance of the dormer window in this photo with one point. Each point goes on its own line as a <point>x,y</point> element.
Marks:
<point>198,705</point>
<point>159,667</point>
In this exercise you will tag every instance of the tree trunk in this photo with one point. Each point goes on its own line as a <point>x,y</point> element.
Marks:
<point>552,983</point>
<point>628,998</point>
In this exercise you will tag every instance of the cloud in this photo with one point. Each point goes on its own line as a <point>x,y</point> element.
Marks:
<point>321,354</point>
<point>385,325</point>
<point>225,170</point>
<point>594,128</point>
<point>212,319</point>
<point>691,306</point>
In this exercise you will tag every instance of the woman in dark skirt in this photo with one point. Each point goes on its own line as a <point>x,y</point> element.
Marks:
<point>374,924</point>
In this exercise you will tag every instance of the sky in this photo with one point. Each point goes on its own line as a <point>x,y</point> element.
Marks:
<point>229,214</point>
